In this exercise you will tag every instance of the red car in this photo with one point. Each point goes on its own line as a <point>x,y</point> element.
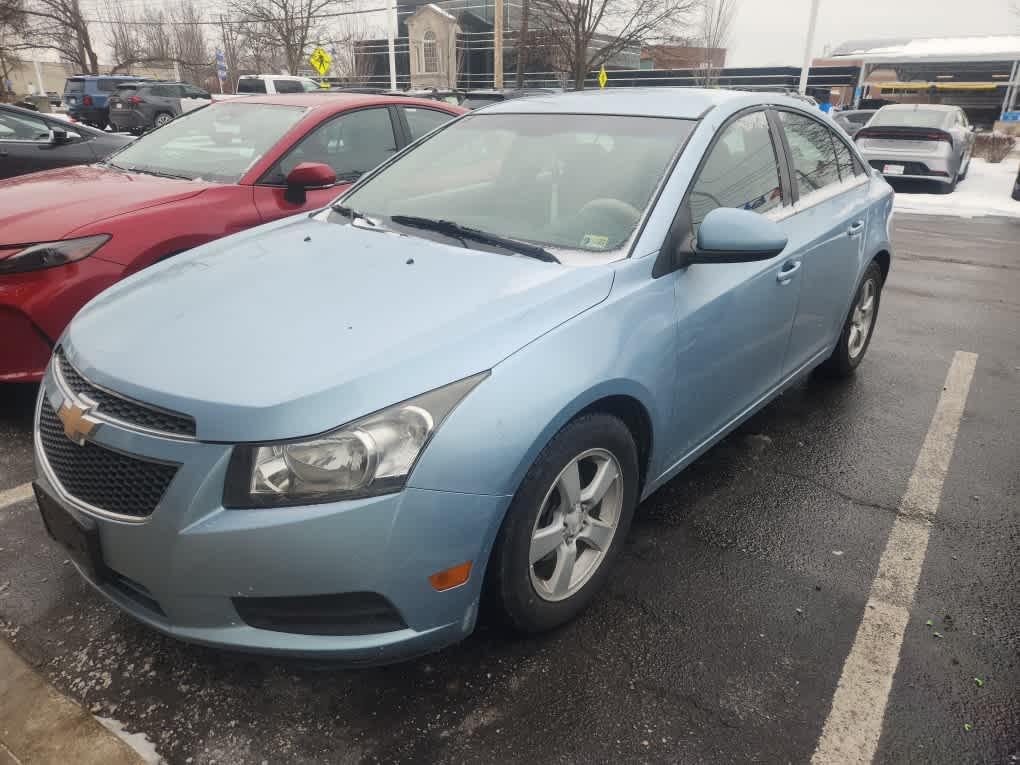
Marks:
<point>66,235</point>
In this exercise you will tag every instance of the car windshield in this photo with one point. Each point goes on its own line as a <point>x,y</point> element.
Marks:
<point>576,182</point>
<point>929,118</point>
<point>217,143</point>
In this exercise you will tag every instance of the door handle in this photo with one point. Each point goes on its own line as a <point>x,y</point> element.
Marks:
<point>855,229</point>
<point>786,273</point>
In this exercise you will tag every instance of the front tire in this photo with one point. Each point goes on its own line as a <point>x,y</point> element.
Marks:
<point>859,326</point>
<point>161,119</point>
<point>566,525</point>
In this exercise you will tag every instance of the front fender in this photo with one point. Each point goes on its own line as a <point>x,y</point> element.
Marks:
<point>624,346</point>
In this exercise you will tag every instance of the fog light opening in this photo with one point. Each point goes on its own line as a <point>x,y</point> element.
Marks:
<point>451,577</point>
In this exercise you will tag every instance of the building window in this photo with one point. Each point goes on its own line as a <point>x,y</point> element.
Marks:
<point>431,53</point>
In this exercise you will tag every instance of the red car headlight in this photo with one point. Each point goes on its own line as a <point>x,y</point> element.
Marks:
<point>51,254</point>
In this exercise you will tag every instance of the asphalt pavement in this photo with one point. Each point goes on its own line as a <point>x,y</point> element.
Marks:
<point>728,623</point>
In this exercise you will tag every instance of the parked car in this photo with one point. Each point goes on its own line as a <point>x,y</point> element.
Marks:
<point>30,141</point>
<point>270,84</point>
<point>86,96</point>
<point>68,234</point>
<point>139,106</point>
<point>475,99</point>
<point>54,97</point>
<point>333,433</point>
<point>922,141</point>
<point>1016,186</point>
<point>853,120</point>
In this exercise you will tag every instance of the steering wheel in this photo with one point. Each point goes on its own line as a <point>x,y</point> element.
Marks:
<point>617,211</point>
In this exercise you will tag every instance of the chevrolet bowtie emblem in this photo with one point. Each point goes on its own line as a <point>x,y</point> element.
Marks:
<point>77,423</point>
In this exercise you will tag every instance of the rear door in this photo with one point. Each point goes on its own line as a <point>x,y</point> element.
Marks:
<point>351,143</point>
<point>165,99</point>
<point>827,226</point>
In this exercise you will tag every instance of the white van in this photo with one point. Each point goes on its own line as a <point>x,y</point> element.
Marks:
<point>271,84</point>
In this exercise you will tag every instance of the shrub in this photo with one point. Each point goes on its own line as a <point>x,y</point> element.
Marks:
<point>993,147</point>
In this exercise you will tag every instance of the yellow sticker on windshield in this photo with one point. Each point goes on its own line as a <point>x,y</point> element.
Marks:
<point>595,242</point>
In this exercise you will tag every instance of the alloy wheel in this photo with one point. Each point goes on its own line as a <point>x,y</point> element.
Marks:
<point>862,318</point>
<point>576,524</point>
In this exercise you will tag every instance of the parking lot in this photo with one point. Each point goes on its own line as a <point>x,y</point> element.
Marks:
<point>727,624</point>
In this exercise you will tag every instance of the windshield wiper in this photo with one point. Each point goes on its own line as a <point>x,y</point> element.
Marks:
<point>457,231</point>
<point>159,173</point>
<point>347,212</point>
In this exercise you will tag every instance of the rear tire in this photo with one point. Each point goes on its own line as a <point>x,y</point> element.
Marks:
<point>858,328</point>
<point>161,119</point>
<point>552,556</point>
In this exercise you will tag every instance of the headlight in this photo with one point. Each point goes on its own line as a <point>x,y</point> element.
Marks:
<point>370,456</point>
<point>50,254</point>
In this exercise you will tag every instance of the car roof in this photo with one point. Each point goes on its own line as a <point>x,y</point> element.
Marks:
<point>682,103</point>
<point>919,107</point>
<point>331,100</point>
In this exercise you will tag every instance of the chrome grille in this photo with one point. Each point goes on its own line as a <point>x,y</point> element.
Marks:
<point>119,408</point>
<point>104,479</point>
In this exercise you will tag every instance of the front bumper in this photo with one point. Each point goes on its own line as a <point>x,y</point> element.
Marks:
<point>36,306</point>
<point>182,569</point>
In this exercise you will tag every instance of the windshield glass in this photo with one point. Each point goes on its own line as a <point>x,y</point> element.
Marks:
<point>929,118</point>
<point>571,181</point>
<point>217,143</point>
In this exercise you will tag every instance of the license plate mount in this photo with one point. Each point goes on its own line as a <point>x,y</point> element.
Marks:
<point>893,170</point>
<point>79,535</point>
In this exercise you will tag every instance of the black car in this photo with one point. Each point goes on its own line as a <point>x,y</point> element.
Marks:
<point>139,106</point>
<point>1016,186</point>
<point>30,141</point>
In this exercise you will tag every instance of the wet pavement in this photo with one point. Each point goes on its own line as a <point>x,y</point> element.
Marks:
<point>726,624</point>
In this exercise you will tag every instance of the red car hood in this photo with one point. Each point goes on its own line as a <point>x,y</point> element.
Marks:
<point>50,205</point>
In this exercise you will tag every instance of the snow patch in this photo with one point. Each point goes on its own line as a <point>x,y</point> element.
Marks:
<point>985,191</point>
<point>137,741</point>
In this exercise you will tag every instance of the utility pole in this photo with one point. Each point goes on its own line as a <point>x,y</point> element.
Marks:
<point>522,43</point>
<point>391,38</point>
<point>497,44</point>
<point>807,47</point>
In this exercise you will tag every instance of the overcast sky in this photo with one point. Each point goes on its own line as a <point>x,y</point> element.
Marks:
<point>773,32</point>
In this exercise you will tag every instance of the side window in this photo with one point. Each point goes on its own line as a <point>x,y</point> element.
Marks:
<point>19,128</point>
<point>844,160</point>
<point>814,156</point>
<point>351,144</point>
<point>422,121</point>
<point>251,85</point>
<point>288,86</point>
<point>741,171</point>
<point>160,91</point>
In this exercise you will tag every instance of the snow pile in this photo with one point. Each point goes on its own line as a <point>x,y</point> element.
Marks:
<point>137,741</point>
<point>985,191</point>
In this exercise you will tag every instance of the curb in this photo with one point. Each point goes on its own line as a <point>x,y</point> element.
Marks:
<point>39,725</point>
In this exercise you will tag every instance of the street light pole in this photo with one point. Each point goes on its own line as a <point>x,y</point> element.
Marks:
<point>393,26</point>
<point>807,48</point>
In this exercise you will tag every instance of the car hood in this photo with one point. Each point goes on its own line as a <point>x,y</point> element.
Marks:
<point>50,205</point>
<point>304,325</point>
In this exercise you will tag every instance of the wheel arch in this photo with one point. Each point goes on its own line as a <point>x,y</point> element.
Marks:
<point>884,260</point>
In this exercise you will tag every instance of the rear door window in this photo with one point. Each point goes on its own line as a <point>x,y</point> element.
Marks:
<point>421,121</point>
<point>15,127</point>
<point>813,152</point>
<point>74,85</point>
<point>251,86</point>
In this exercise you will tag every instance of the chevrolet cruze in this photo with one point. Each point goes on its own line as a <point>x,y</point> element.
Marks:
<point>339,433</point>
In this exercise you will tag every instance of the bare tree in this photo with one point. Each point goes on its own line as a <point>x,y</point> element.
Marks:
<point>716,21</point>
<point>349,57</point>
<point>12,25</point>
<point>523,42</point>
<point>284,25</point>
<point>60,25</point>
<point>585,34</point>
<point>190,45</point>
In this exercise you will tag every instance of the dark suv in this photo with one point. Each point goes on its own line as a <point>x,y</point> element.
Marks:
<point>86,96</point>
<point>140,106</point>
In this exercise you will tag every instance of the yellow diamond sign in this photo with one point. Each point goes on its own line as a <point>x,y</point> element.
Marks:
<point>320,61</point>
<point>602,76</point>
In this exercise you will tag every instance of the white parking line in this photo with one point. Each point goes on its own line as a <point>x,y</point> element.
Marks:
<point>15,495</point>
<point>854,725</point>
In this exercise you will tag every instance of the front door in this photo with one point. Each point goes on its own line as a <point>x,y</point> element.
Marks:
<point>733,319</point>
<point>352,144</point>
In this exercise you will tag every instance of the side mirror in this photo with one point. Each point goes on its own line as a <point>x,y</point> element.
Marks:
<point>729,235</point>
<point>58,137</point>
<point>308,175</point>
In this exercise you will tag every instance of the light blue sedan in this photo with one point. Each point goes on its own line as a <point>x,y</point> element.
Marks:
<point>339,434</point>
